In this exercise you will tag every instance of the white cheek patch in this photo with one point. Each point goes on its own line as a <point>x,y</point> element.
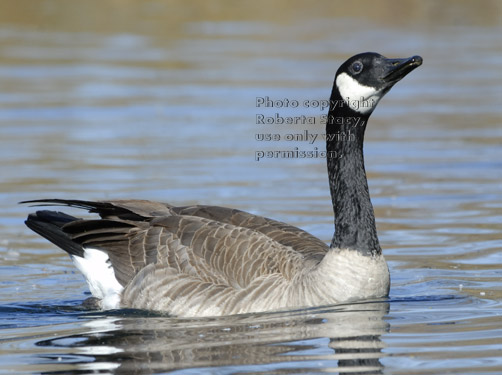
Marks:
<point>360,98</point>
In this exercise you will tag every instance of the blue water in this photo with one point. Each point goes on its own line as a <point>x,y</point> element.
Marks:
<point>158,101</point>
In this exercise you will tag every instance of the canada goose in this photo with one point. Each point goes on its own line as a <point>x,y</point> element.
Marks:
<point>209,260</point>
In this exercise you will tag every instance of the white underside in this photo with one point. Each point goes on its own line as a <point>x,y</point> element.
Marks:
<point>360,98</point>
<point>98,272</point>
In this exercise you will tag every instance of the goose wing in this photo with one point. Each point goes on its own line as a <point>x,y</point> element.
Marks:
<point>143,210</point>
<point>215,244</point>
<point>303,242</point>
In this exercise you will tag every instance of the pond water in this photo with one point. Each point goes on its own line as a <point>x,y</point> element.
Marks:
<point>158,100</point>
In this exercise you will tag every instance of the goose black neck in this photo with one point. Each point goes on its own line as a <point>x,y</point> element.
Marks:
<point>355,227</point>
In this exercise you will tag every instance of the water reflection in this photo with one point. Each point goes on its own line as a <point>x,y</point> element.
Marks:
<point>342,339</point>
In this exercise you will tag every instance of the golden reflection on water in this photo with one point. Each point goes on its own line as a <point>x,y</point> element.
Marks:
<point>166,19</point>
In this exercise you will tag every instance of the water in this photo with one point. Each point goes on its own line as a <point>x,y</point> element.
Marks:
<point>157,100</point>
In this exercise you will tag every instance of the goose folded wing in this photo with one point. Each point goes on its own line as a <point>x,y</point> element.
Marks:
<point>195,246</point>
<point>303,242</point>
<point>143,210</point>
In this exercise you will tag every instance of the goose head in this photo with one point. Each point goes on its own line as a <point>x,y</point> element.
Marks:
<point>364,79</point>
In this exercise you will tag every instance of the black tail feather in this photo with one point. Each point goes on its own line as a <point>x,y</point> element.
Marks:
<point>103,209</point>
<point>91,206</point>
<point>49,224</point>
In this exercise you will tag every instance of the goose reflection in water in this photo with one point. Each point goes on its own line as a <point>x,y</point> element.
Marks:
<point>344,338</point>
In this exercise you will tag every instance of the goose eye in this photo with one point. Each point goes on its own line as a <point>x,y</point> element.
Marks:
<point>357,67</point>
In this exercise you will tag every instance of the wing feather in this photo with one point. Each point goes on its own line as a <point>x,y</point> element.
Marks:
<point>218,245</point>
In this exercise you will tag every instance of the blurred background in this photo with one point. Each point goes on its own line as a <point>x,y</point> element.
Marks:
<point>157,100</point>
